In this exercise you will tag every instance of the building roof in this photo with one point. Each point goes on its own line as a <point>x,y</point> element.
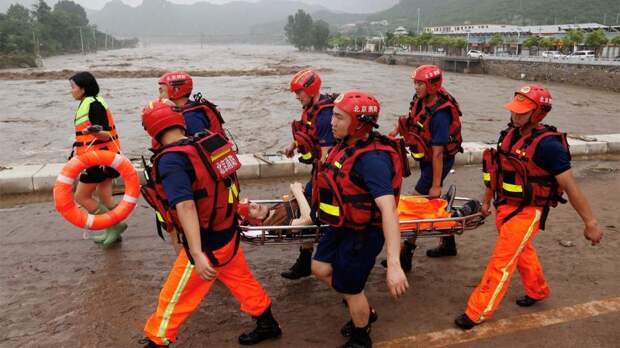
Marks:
<point>506,29</point>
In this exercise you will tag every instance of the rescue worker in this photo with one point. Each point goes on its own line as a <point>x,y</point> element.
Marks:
<point>198,195</point>
<point>95,130</point>
<point>312,138</point>
<point>433,132</point>
<point>199,114</point>
<point>526,175</point>
<point>356,191</point>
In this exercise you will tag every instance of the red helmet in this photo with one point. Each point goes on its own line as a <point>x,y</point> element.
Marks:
<point>362,107</point>
<point>531,97</point>
<point>429,74</point>
<point>157,117</point>
<point>308,81</point>
<point>178,84</point>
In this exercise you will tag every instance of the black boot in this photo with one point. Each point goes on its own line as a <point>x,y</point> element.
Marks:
<point>463,322</point>
<point>360,338</point>
<point>447,247</point>
<point>526,301</point>
<point>406,256</point>
<point>348,328</point>
<point>266,327</point>
<point>301,268</point>
<point>150,344</point>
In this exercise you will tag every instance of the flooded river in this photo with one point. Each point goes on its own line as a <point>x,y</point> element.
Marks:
<point>250,85</point>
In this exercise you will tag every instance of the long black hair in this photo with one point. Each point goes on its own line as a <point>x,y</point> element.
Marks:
<point>87,81</point>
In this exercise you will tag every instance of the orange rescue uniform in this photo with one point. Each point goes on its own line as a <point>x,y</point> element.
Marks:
<point>184,290</point>
<point>513,250</point>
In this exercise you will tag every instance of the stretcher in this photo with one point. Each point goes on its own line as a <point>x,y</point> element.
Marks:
<point>422,228</point>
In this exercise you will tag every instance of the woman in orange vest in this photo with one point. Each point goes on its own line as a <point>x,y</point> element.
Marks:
<point>95,130</point>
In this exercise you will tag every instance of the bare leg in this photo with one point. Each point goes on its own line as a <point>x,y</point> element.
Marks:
<point>322,271</point>
<point>358,308</point>
<point>84,196</point>
<point>104,191</point>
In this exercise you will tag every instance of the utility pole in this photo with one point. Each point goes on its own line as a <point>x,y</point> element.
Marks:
<point>82,40</point>
<point>94,40</point>
<point>605,18</point>
<point>418,28</point>
<point>106,42</point>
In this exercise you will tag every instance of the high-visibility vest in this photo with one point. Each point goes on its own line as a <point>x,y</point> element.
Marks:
<point>88,142</point>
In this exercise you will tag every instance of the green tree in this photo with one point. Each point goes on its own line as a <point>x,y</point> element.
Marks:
<point>299,30</point>
<point>302,32</point>
<point>496,40</point>
<point>389,38</point>
<point>532,41</point>
<point>596,40</point>
<point>573,38</point>
<point>615,41</point>
<point>320,35</point>
<point>74,12</point>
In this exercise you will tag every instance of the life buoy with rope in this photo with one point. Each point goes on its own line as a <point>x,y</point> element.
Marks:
<point>63,189</point>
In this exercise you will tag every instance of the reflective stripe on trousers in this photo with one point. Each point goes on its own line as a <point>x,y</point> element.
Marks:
<point>513,249</point>
<point>184,290</point>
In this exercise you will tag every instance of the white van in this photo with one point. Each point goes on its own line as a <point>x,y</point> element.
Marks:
<point>582,55</point>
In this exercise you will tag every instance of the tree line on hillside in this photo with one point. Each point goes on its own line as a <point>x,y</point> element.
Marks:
<point>304,33</point>
<point>43,31</point>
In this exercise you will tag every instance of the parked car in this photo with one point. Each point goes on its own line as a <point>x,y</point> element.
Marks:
<point>474,54</point>
<point>552,54</point>
<point>582,55</point>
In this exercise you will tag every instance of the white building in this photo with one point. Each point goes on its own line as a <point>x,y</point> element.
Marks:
<point>399,31</point>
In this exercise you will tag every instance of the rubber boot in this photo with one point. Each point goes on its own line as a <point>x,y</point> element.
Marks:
<point>406,256</point>
<point>302,265</point>
<point>150,344</point>
<point>463,322</point>
<point>447,247</point>
<point>113,234</point>
<point>526,301</point>
<point>101,237</point>
<point>347,329</point>
<point>266,327</point>
<point>360,338</point>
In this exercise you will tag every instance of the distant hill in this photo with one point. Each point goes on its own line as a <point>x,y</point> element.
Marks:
<point>163,18</point>
<point>520,12</point>
<point>354,6</point>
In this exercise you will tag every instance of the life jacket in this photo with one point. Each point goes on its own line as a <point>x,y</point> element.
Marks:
<point>513,176</point>
<point>88,142</point>
<point>305,133</point>
<point>416,127</point>
<point>213,115</point>
<point>215,188</point>
<point>340,196</point>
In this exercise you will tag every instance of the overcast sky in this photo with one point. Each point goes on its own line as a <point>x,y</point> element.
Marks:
<point>351,6</point>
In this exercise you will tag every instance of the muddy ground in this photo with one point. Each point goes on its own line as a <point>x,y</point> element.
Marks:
<point>58,290</point>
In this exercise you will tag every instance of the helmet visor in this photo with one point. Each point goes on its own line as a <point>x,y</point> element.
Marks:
<point>520,104</point>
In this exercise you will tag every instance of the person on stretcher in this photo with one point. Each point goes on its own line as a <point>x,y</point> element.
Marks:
<point>296,211</point>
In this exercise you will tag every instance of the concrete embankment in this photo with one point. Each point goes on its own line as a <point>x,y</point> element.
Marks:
<point>599,76</point>
<point>40,178</point>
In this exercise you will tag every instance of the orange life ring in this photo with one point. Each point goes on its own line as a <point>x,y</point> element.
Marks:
<point>63,190</point>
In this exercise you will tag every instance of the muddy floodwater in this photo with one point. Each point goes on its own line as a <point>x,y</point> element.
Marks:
<point>250,85</point>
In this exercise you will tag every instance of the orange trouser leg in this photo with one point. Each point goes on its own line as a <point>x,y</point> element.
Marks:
<point>513,238</point>
<point>182,293</point>
<point>532,275</point>
<point>184,290</point>
<point>239,280</point>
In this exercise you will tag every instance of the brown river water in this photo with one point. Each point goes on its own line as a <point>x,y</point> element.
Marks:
<point>250,85</point>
